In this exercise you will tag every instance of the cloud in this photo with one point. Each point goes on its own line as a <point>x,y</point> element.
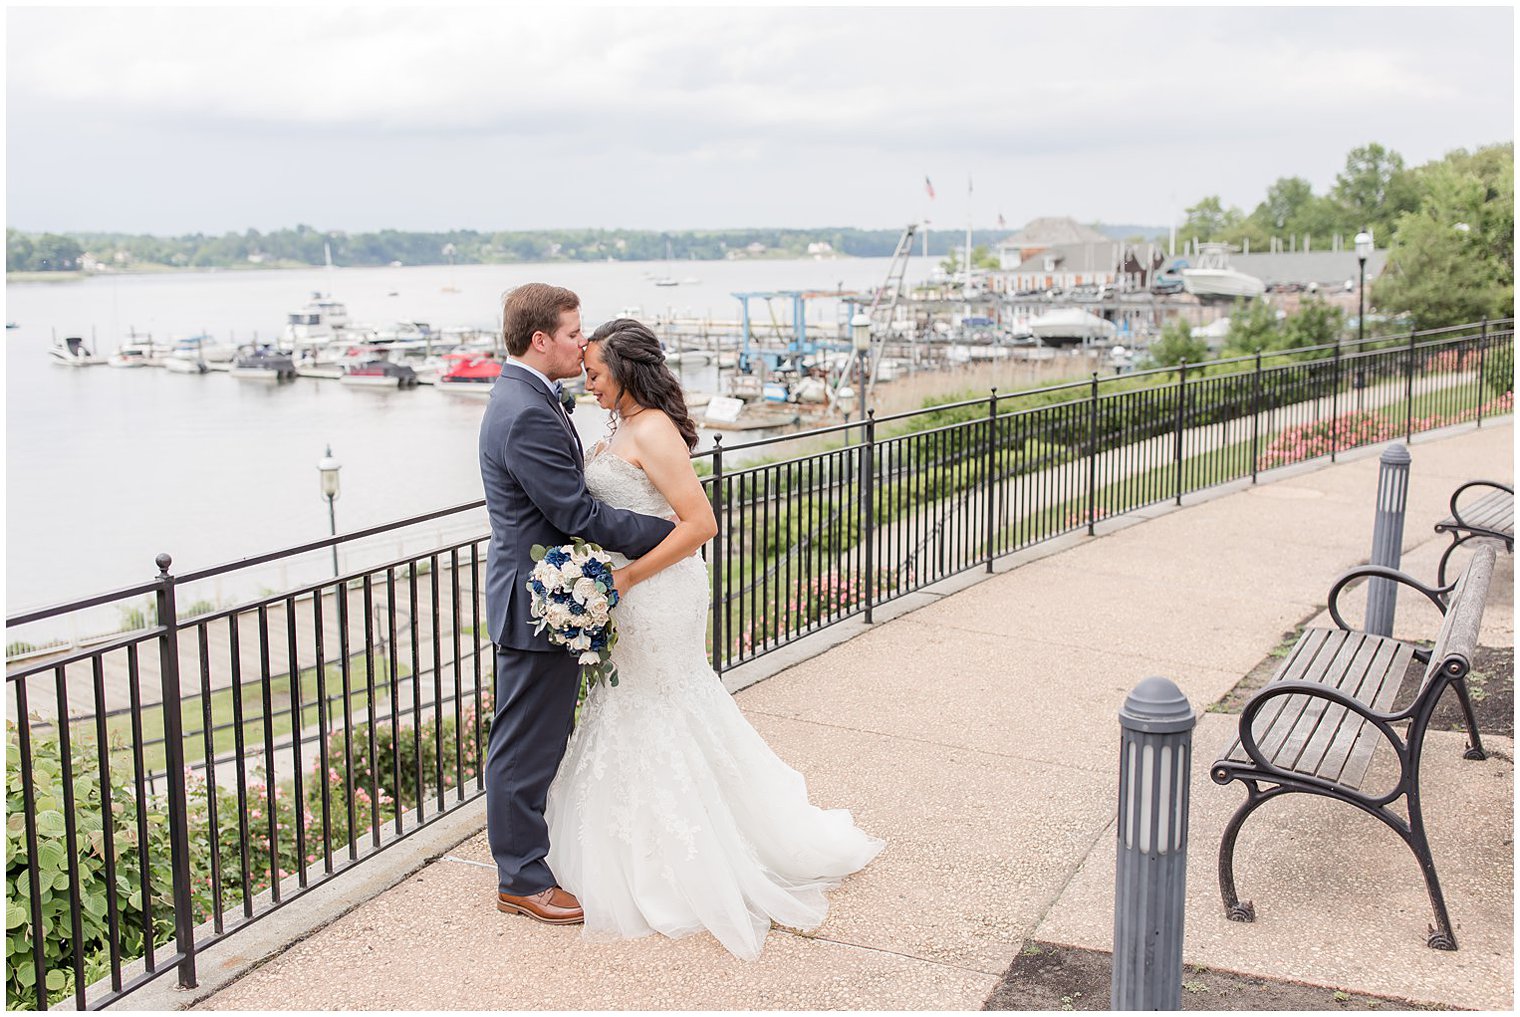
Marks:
<point>758,95</point>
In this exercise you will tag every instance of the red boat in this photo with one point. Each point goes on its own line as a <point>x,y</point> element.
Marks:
<point>470,372</point>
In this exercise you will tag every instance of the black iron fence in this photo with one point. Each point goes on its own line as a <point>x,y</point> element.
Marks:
<point>170,785</point>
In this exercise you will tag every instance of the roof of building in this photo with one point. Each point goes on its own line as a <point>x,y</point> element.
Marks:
<point>1052,230</point>
<point>1101,255</point>
<point>1307,266</point>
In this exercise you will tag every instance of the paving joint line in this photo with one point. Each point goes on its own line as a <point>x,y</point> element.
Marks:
<point>465,861</point>
<point>891,953</point>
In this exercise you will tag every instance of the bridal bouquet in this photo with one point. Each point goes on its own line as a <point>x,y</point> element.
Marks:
<point>573,598</point>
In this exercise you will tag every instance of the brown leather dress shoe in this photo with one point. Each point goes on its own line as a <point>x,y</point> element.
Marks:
<point>554,906</point>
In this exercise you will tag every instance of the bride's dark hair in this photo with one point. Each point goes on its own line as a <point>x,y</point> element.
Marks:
<point>637,366</point>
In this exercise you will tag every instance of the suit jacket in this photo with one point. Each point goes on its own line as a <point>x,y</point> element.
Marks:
<point>530,464</point>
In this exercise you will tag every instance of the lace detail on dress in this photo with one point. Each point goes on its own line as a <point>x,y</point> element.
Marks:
<point>669,812</point>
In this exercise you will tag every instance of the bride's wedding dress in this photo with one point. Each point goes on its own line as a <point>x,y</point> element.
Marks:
<point>669,812</point>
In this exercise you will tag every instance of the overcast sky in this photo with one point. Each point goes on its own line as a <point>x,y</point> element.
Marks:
<point>176,120</point>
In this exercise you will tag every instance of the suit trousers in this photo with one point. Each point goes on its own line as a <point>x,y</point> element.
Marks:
<point>535,712</point>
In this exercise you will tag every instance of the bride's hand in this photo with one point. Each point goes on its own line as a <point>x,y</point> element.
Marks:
<point>620,581</point>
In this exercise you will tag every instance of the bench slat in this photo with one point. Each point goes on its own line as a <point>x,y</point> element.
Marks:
<point>1313,736</point>
<point>1349,757</point>
<point>1339,654</point>
<point>1299,659</point>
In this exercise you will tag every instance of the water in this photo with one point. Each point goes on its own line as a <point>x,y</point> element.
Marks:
<point>107,468</point>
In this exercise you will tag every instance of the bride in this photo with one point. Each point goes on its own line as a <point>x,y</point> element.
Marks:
<point>669,813</point>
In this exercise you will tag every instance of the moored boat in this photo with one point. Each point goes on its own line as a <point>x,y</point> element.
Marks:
<point>72,352</point>
<point>264,364</point>
<point>380,374</point>
<point>472,373</point>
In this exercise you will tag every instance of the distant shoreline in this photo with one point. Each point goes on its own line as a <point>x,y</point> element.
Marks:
<point>78,275</point>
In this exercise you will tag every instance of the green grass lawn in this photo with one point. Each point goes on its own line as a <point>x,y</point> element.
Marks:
<point>223,713</point>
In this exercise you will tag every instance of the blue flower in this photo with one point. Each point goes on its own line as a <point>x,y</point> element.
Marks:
<point>576,608</point>
<point>592,569</point>
<point>556,557</point>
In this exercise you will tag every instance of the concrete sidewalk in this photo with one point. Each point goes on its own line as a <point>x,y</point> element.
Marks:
<point>976,732</point>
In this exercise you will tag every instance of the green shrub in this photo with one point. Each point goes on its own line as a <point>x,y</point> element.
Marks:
<point>1499,368</point>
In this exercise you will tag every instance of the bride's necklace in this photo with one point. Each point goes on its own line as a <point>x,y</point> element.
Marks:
<point>615,418</point>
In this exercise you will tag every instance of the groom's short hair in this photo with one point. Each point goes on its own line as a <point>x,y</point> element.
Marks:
<point>533,307</point>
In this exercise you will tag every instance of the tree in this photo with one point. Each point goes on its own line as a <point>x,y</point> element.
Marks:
<point>1373,191</point>
<point>54,253</point>
<point>1177,345</point>
<point>18,251</point>
<point>1253,328</point>
<point>1210,220</point>
<point>1316,324</point>
<point>1452,259</point>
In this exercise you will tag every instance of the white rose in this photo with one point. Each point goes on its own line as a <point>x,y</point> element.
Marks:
<point>571,569</point>
<point>584,590</point>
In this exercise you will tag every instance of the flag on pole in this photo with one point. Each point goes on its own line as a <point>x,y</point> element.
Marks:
<point>1001,221</point>
<point>928,186</point>
<point>968,183</point>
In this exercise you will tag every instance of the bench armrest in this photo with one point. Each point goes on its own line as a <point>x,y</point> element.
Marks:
<point>1382,721</point>
<point>1433,593</point>
<point>1475,483</point>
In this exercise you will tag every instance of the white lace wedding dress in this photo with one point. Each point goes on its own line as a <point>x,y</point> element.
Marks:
<point>669,812</point>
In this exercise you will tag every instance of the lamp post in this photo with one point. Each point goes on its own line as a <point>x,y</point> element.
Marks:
<point>1363,243</point>
<point>860,338</point>
<point>327,470</point>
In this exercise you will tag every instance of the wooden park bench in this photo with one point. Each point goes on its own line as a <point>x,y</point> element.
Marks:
<point>1313,728</point>
<point>1489,517</point>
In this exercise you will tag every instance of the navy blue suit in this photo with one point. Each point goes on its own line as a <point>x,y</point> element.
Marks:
<point>530,464</point>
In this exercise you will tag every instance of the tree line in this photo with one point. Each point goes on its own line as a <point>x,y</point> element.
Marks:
<point>306,245</point>
<point>1448,226</point>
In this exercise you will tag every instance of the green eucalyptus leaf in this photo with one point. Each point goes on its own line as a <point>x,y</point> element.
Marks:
<point>537,552</point>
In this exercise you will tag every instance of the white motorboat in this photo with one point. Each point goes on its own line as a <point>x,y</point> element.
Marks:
<point>320,320</point>
<point>1066,325</point>
<point>72,352</point>
<point>186,358</point>
<point>1212,278</point>
<point>131,356</point>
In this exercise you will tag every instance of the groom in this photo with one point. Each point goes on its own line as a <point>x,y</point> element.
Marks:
<point>531,463</point>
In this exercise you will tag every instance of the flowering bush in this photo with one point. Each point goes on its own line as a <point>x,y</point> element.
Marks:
<point>1352,430</point>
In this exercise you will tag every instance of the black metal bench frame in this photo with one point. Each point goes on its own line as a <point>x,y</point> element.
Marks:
<point>1475,528</point>
<point>1447,665</point>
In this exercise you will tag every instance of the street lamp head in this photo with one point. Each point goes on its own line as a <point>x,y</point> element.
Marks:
<point>860,331</point>
<point>327,468</point>
<point>1363,243</point>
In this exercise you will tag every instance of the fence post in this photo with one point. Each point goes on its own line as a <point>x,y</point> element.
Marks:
<point>1335,397</point>
<point>174,763</point>
<point>719,563</point>
<point>1482,354</point>
<point>1155,756</point>
<point>1181,400</point>
<point>868,509</point>
<point>1387,537</point>
<point>1092,456</point>
<point>992,404</point>
<point>1409,391</point>
<point>1256,418</point>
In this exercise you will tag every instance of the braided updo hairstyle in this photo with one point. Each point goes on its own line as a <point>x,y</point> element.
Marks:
<point>637,366</point>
